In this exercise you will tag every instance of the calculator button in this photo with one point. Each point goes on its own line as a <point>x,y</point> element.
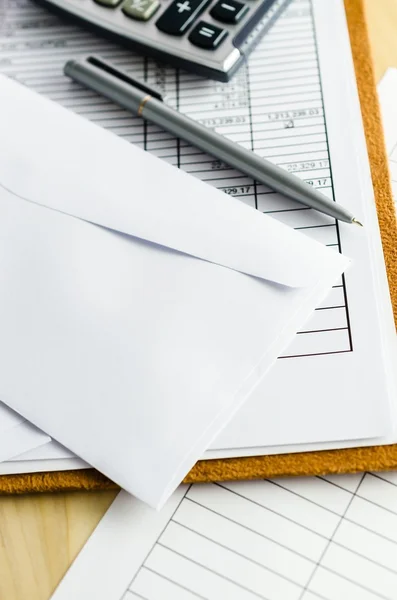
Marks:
<point>207,36</point>
<point>229,11</point>
<point>141,10</point>
<point>109,3</point>
<point>176,19</point>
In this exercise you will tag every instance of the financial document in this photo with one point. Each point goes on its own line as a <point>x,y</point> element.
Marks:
<point>274,107</point>
<point>291,103</point>
<point>328,538</point>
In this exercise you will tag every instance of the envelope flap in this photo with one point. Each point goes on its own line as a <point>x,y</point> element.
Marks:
<point>93,175</point>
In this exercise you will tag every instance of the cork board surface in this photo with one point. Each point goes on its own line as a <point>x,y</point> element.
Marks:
<point>374,458</point>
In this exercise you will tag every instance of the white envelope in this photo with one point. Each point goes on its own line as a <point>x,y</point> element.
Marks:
<point>138,306</point>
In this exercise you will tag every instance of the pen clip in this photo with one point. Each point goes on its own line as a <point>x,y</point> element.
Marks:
<point>112,70</point>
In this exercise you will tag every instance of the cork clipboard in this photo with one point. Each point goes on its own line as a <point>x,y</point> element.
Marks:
<point>373,458</point>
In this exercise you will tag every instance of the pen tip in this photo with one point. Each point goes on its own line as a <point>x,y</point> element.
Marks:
<point>357,222</point>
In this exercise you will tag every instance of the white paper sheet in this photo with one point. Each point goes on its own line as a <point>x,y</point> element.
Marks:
<point>20,438</point>
<point>327,538</point>
<point>292,103</point>
<point>133,352</point>
<point>17,436</point>
<point>50,456</point>
<point>332,409</point>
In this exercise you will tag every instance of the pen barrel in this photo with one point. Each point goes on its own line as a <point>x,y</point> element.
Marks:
<point>120,92</point>
<point>240,158</point>
<point>139,102</point>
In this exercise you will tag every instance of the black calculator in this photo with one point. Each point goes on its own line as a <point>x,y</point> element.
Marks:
<point>209,37</point>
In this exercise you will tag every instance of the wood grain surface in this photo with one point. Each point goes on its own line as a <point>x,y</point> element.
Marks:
<point>41,534</point>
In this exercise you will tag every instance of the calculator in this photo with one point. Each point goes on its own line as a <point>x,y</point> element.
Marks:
<point>209,37</point>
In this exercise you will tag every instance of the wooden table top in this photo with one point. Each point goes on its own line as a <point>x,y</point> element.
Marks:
<point>41,534</point>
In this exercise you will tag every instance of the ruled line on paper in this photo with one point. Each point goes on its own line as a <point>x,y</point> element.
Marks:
<point>295,538</point>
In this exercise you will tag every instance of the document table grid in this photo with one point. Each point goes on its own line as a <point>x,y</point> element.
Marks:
<point>284,539</point>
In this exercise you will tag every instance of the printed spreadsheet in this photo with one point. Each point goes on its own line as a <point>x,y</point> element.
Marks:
<point>274,106</point>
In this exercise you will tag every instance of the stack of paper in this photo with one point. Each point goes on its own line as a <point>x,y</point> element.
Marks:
<point>135,322</point>
<point>141,309</point>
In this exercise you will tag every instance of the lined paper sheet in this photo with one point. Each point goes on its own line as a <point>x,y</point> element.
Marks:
<point>387,90</point>
<point>331,538</point>
<point>291,103</point>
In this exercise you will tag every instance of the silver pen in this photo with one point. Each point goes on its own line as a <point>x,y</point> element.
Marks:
<point>147,102</point>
